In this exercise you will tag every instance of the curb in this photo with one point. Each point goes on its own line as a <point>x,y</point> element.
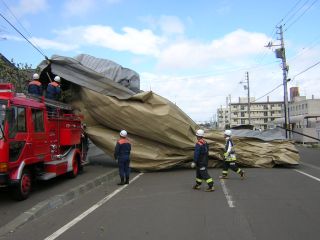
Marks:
<point>56,201</point>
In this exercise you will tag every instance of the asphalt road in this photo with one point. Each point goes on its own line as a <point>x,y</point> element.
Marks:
<point>44,190</point>
<point>278,203</point>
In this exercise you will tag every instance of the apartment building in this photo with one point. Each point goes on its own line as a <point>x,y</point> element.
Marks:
<point>261,113</point>
<point>223,117</point>
<point>304,118</point>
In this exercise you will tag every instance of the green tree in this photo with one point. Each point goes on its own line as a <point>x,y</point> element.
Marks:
<point>16,73</point>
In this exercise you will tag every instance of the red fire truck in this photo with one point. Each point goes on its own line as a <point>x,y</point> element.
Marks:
<point>39,139</point>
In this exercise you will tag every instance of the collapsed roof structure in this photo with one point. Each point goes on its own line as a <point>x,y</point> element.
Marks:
<point>162,135</point>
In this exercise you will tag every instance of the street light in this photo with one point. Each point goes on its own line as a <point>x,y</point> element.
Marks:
<point>247,87</point>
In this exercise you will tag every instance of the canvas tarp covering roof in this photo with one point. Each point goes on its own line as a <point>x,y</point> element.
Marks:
<point>162,135</point>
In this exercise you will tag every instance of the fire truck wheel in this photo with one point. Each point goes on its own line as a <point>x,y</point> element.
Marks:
<point>75,167</point>
<point>23,188</point>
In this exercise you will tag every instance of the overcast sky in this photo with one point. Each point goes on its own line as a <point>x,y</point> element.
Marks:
<point>194,53</point>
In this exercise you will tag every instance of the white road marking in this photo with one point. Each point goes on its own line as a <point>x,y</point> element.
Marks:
<point>308,175</point>
<point>310,165</point>
<point>90,210</point>
<point>230,201</point>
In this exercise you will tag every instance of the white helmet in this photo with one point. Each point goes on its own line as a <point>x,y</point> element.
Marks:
<point>123,133</point>
<point>227,132</point>
<point>35,76</point>
<point>57,79</point>
<point>200,133</point>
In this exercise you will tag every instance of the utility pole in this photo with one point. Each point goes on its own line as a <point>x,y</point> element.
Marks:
<point>230,110</point>
<point>281,53</point>
<point>247,87</point>
<point>285,86</point>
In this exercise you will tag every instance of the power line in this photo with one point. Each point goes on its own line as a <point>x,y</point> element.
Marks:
<point>24,36</point>
<point>310,46</point>
<point>268,92</point>
<point>4,3</point>
<point>307,69</point>
<point>287,14</point>
<point>312,66</point>
<point>301,15</point>
<point>273,33</point>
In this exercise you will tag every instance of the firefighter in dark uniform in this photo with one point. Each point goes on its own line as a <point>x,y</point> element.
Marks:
<point>122,155</point>
<point>84,141</point>
<point>201,155</point>
<point>35,86</point>
<point>53,89</point>
<point>230,157</point>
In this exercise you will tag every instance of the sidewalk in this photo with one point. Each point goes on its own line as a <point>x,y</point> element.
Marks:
<point>53,194</point>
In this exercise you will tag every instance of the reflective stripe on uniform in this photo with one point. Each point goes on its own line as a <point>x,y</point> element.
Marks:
<point>239,170</point>
<point>198,180</point>
<point>209,180</point>
<point>231,158</point>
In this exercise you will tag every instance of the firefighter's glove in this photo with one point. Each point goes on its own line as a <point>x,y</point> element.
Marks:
<point>193,165</point>
<point>226,155</point>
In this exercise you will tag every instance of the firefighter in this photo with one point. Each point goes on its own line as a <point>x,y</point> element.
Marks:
<point>53,89</point>
<point>35,86</point>
<point>122,156</point>
<point>84,137</point>
<point>230,157</point>
<point>201,155</point>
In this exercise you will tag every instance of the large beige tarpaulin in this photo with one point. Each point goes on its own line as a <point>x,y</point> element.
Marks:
<point>162,135</point>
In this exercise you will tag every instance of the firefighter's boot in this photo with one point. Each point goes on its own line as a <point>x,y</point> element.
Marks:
<point>127,180</point>
<point>122,181</point>
<point>210,189</point>
<point>223,176</point>
<point>242,175</point>
<point>196,187</point>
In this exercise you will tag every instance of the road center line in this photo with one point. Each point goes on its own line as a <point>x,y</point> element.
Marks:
<point>308,175</point>
<point>87,212</point>
<point>230,201</point>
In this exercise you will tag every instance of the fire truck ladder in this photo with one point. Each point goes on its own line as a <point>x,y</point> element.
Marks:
<point>56,104</point>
